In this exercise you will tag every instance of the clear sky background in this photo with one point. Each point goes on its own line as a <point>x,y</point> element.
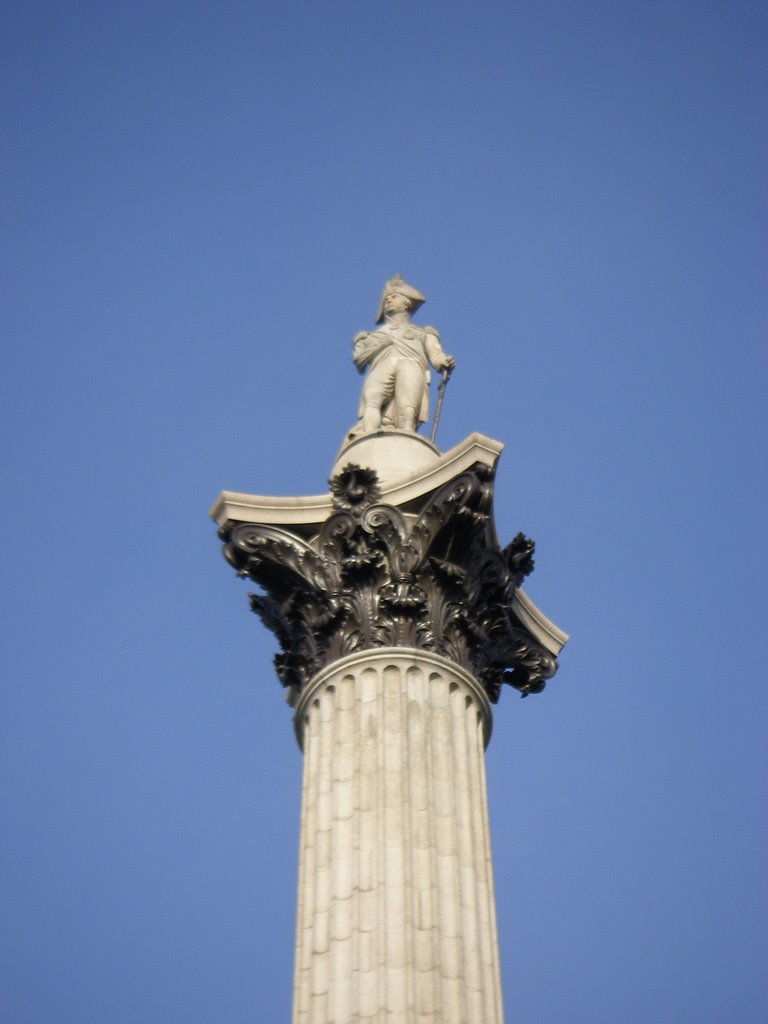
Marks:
<point>200,204</point>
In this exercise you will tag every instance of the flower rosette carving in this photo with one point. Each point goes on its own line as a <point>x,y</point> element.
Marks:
<point>354,488</point>
<point>518,558</point>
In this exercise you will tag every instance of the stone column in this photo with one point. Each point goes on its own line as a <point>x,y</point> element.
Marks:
<point>395,918</point>
<point>399,619</point>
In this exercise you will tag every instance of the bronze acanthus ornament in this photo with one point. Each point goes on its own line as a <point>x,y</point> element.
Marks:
<point>371,579</point>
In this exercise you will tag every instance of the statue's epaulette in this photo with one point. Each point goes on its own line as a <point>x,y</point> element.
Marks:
<point>432,330</point>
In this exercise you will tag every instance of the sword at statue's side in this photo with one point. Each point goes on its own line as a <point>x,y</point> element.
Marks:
<point>440,395</point>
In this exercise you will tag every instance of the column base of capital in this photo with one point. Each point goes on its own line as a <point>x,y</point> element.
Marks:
<point>405,660</point>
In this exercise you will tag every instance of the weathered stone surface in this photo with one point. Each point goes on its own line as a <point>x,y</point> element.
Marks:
<point>395,455</point>
<point>396,358</point>
<point>401,924</point>
<point>306,514</point>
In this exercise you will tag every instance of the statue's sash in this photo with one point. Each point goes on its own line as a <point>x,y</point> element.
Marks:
<point>409,344</point>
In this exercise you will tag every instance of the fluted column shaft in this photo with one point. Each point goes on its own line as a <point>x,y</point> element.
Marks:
<point>395,917</point>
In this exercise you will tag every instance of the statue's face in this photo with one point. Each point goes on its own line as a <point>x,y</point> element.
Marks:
<point>394,302</point>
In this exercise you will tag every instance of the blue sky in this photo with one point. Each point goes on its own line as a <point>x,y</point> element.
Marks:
<point>200,204</point>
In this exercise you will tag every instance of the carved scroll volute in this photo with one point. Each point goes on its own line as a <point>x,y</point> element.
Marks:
<point>465,505</point>
<point>389,532</point>
<point>335,537</point>
<point>266,551</point>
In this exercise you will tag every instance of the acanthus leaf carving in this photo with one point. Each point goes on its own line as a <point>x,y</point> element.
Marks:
<point>370,580</point>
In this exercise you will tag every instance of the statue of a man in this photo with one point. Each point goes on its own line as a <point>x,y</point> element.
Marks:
<point>397,357</point>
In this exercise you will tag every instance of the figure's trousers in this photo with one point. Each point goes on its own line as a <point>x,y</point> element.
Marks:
<point>396,379</point>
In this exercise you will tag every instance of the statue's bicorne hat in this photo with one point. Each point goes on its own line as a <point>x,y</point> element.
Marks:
<point>398,285</point>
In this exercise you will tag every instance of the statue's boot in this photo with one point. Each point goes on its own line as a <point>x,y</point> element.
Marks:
<point>371,419</point>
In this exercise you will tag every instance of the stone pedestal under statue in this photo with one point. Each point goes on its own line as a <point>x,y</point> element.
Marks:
<point>399,619</point>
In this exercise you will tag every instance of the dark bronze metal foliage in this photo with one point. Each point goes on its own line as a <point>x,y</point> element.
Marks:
<point>354,487</point>
<point>435,581</point>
